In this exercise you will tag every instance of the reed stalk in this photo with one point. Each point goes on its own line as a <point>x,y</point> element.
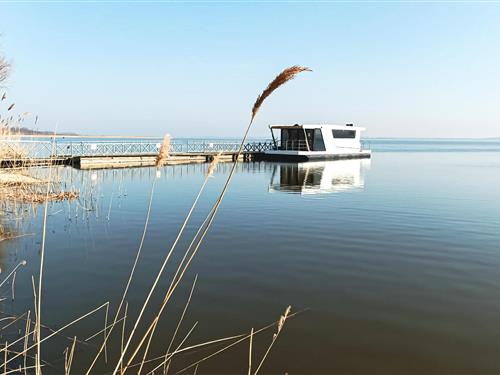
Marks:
<point>25,344</point>
<point>58,331</point>
<point>223,349</point>
<point>123,333</point>
<point>250,353</point>
<point>131,275</point>
<point>40,277</point>
<point>176,328</point>
<point>162,156</point>
<point>281,324</point>
<point>13,286</point>
<point>152,327</point>
<point>20,264</point>
<point>211,168</point>
<point>160,272</point>
<point>177,351</point>
<point>285,76</point>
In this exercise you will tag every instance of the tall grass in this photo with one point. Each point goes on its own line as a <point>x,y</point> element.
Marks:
<point>142,331</point>
<point>18,184</point>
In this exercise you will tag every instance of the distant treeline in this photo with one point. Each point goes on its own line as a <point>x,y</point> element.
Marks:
<point>27,131</point>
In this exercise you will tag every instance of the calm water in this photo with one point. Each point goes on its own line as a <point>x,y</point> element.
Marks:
<point>394,260</point>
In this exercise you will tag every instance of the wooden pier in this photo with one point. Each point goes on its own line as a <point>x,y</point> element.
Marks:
<point>90,154</point>
<point>102,162</point>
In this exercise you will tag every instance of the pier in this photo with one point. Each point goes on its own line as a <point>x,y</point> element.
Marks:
<point>92,154</point>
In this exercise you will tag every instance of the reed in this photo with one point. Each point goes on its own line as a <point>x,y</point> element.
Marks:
<point>129,352</point>
<point>281,324</point>
<point>282,78</point>
<point>4,70</point>
<point>285,76</point>
<point>164,151</point>
<point>18,185</point>
<point>239,339</point>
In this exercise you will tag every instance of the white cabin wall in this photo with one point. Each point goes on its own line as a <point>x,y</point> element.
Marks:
<point>333,144</point>
<point>328,139</point>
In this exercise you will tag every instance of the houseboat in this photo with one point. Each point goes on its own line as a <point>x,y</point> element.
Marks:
<point>316,142</point>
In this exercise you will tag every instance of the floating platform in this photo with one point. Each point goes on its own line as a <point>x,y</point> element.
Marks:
<point>134,161</point>
<point>302,158</point>
<point>130,161</point>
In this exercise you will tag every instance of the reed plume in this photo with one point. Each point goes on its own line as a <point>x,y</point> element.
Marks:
<point>281,323</point>
<point>164,151</point>
<point>282,78</point>
<point>213,164</point>
<point>4,69</point>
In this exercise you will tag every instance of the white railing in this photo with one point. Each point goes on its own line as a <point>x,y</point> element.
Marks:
<point>293,145</point>
<point>42,149</point>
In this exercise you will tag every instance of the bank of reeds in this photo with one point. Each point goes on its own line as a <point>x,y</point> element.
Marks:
<point>135,341</point>
<point>18,186</point>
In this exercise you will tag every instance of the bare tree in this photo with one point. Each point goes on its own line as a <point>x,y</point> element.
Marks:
<point>4,69</point>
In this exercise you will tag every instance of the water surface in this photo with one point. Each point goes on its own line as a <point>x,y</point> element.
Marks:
<point>394,261</point>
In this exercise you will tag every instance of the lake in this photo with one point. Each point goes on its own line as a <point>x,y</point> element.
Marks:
<point>393,263</point>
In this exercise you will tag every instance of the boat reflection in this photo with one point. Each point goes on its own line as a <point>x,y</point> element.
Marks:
<point>320,177</point>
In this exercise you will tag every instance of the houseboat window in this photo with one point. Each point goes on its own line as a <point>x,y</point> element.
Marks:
<point>284,135</point>
<point>310,138</point>
<point>293,139</point>
<point>318,144</point>
<point>337,133</point>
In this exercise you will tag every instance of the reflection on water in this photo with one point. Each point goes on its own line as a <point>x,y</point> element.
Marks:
<point>319,177</point>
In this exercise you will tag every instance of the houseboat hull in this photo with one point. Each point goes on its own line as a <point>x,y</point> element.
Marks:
<point>311,156</point>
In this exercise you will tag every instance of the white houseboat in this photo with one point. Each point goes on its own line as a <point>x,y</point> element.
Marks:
<point>316,142</point>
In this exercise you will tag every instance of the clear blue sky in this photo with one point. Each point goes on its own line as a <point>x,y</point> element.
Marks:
<point>194,69</point>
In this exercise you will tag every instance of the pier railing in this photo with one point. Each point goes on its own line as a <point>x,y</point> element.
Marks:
<point>43,149</point>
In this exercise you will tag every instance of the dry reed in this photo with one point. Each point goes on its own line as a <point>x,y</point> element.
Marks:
<point>4,71</point>
<point>282,78</point>
<point>239,339</point>
<point>213,164</point>
<point>281,323</point>
<point>189,254</point>
<point>285,76</point>
<point>164,151</point>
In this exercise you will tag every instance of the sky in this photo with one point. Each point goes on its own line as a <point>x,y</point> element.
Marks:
<point>194,69</point>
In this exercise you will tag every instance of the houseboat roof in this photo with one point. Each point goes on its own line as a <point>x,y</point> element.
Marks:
<point>313,126</point>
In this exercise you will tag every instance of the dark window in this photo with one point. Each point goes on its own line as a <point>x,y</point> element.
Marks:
<point>310,138</point>
<point>344,133</point>
<point>318,144</point>
<point>293,139</point>
<point>284,135</point>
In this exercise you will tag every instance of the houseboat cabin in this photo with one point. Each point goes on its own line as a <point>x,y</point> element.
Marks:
<point>316,142</point>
